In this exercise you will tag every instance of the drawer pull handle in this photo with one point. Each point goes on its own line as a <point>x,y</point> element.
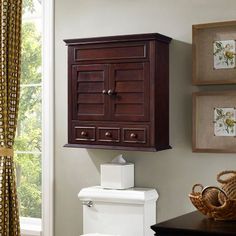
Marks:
<point>83,134</point>
<point>133,136</point>
<point>108,134</point>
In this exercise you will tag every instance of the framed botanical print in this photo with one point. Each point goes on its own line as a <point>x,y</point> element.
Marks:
<point>214,53</point>
<point>214,122</point>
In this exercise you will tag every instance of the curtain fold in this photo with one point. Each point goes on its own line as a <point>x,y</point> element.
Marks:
<point>10,50</point>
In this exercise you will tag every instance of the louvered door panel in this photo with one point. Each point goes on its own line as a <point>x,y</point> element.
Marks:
<point>88,83</point>
<point>130,84</point>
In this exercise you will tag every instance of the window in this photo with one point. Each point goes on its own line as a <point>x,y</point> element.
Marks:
<point>28,143</point>
<point>34,137</point>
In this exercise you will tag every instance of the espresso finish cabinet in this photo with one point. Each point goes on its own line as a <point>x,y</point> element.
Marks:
<point>194,224</point>
<point>118,92</point>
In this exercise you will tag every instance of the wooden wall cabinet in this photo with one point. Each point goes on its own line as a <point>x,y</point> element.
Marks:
<point>118,92</point>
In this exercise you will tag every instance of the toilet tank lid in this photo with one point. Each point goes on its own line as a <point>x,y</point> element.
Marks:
<point>132,195</point>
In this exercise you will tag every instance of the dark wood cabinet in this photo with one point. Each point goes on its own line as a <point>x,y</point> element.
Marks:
<point>118,92</point>
<point>194,224</point>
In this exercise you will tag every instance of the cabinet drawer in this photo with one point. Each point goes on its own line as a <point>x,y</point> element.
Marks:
<point>114,51</point>
<point>135,135</point>
<point>108,134</point>
<point>84,133</point>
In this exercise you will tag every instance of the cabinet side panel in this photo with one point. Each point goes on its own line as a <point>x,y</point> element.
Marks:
<point>162,95</point>
<point>70,110</point>
<point>152,106</point>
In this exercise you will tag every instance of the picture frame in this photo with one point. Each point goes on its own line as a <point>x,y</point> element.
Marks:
<point>214,122</point>
<point>214,53</point>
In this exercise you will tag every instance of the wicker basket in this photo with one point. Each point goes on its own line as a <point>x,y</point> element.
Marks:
<point>227,184</point>
<point>197,199</point>
<point>207,202</point>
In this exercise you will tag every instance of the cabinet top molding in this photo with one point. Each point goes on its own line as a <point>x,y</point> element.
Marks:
<point>119,38</point>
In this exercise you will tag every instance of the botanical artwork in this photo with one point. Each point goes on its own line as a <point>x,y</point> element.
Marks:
<point>224,54</point>
<point>224,121</point>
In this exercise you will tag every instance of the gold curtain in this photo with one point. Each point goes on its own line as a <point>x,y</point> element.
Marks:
<point>10,49</point>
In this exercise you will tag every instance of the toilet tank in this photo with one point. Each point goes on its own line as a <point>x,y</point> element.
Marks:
<point>128,212</point>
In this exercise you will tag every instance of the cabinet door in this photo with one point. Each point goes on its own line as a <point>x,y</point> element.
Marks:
<point>129,83</point>
<point>89,84</point>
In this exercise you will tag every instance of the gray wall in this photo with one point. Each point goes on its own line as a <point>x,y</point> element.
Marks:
<point>171,172</point>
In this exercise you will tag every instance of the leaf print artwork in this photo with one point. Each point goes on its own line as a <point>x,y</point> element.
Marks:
<point>224,54</point>
<point>224,121</point>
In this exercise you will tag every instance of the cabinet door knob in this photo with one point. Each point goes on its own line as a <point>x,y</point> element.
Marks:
<point>83,133</point>
<point>133,135</point>
<point>108,134</point>
<point>110,92</point>
<point>104,92</point>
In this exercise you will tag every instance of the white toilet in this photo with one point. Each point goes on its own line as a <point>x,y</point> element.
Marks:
<point>128,212</point>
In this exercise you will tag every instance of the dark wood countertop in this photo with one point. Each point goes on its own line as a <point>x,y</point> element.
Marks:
<point>193,224</point>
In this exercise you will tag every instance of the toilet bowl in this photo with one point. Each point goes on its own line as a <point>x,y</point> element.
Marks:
<point>109,212</point>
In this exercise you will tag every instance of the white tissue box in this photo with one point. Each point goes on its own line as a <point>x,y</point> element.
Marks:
<point>117,176</point>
